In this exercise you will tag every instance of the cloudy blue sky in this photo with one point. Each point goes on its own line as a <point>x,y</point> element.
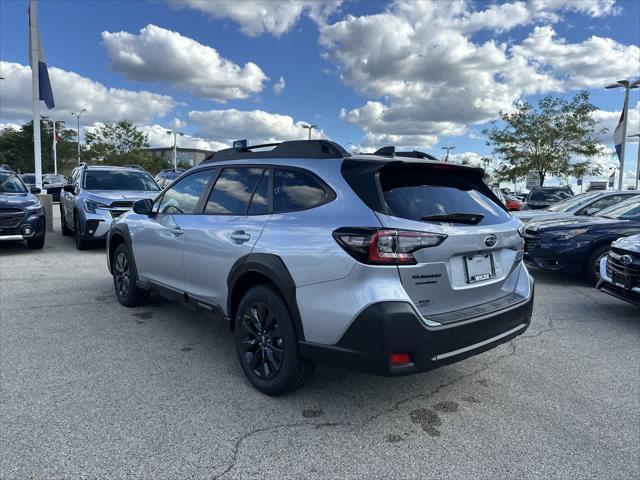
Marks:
<point>369,73</point>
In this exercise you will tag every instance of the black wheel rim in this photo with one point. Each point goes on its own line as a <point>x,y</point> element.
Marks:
<point>262,343</point>
<point>122,274</point>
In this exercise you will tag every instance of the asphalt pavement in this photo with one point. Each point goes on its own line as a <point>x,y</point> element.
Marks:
<point>91,389</point>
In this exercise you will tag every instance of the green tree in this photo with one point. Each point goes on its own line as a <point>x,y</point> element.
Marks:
<point>121,143</point>
<point>16,147</point>
<point>547,138</point>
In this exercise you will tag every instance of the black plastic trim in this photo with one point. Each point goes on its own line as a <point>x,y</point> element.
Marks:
<point>395,327</point>
<point>272,267</point>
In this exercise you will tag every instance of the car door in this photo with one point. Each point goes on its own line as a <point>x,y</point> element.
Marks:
<point>158,246</point>
<point>235,213</point>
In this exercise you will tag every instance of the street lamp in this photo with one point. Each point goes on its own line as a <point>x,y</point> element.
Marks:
<point>78,115</point>
<point>175,142</point>
<point>448,149</point>
<point>310,127</point>
<point>637,164</point>
<point>627,85</point>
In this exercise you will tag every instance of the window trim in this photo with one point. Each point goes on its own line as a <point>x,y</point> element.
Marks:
<point>200,204</point>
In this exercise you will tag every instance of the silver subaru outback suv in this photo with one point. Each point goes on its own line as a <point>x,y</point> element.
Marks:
<point>389,264</point>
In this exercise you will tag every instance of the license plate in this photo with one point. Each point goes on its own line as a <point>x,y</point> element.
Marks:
<point>619,280</point>
<point>479,267</point>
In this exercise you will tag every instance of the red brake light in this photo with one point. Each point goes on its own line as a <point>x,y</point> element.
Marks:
<point>385,247</point>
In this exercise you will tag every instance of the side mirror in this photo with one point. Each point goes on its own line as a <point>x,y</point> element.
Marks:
<point>35,190</point>
<point>592,211</point>
<point>143,207</point>
<point>69,188</point>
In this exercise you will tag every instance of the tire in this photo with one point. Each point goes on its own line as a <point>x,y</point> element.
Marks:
<point>592,268</point>
<point>267,343</point>
<point>66,231</point>
<point>36,243</point>
<point>81,241</point>
<point>124,279</point>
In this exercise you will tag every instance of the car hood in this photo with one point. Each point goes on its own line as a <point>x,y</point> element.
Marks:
<point>573,221</point>
<point>120,195</point>
<point>631,244</point>
<point>17,200</point>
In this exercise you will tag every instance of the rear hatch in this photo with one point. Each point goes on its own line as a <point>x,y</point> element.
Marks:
<point>469,271</point>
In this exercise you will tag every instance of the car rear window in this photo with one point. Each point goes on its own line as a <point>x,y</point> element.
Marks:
<point>415,192</point>
<point>551,196</point>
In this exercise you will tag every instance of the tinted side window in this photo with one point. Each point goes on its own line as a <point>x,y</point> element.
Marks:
<point>183,196</point>
<point>607,201</point>
<point>260,200</point>
<point>295,190</point>
<point>233,190</point>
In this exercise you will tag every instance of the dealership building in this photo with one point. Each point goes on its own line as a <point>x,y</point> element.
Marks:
<point>192,156</point>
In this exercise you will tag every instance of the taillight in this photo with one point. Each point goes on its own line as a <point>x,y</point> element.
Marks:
<point>384,246</point>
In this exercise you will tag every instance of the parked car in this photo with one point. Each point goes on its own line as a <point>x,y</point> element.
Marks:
<point>512,203</point>
<point>53,184</point>
<point>544,197</point>
<point>620,270</point>
<point>21,213</point>
<point>576,245</point>
<point>165,177</point>
<point>588,203</point>
<point>95,195</point>
<point>384,264</point>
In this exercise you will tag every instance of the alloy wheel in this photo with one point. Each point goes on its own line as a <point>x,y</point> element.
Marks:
<point>123,275</point>
<point>262,342</point>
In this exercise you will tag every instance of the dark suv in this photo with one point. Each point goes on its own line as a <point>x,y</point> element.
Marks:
<point>21,213</point>
<point>543,197</point>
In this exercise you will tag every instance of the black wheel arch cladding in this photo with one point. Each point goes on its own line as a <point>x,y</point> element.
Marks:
<point>271,268</point>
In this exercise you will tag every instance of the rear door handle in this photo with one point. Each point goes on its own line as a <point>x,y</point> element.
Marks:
<point>240,236</point>
<point>177,231</point>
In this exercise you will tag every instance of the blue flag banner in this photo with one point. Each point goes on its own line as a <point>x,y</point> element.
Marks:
<point>45,92</point>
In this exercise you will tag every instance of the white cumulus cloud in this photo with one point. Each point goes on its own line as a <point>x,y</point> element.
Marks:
<point>279,86</point>
<point>157,54</point>
<point>73,92</point>
<point>257,126</point>
<point>256,17</point>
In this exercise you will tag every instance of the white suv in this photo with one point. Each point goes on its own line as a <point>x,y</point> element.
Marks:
<point>387,264</point>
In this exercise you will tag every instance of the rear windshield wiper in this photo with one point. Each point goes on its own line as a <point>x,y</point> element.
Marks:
<point>468,218</point>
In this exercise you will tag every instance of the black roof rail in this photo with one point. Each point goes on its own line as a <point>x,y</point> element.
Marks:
<point>288,149</point>
<point>390,151</point>
<point>5,166</point>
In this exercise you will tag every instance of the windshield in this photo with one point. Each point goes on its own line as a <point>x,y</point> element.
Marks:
<point>572,203</point>
<point>11,183</point>
<point>119,180</point>
<point>627,210</point>
<point>549,196</point>
<point>53,179</point>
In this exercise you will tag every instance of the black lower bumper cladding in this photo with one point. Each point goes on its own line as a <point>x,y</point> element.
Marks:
<point>394,327</point>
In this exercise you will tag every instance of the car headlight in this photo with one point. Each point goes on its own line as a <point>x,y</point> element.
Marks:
<point>35,208</point>
<point>91,206</point>
<point>567,234</point>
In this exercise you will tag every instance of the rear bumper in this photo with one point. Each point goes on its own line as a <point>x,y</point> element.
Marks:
<point>395,327</point>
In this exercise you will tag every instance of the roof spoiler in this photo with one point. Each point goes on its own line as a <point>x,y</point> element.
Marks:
<point>390,151</point>
<point>289,149</point>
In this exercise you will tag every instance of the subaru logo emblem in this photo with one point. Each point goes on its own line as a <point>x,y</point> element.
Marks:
<point>626,260</point>
<point>490,241</point>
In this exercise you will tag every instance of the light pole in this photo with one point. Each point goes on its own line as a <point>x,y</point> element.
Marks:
<point>175,142</point>
<point>627,85</point>
<point>638,163</point>
<point>78,115</point>
<point>448,149</point>
<point>310,127</point>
